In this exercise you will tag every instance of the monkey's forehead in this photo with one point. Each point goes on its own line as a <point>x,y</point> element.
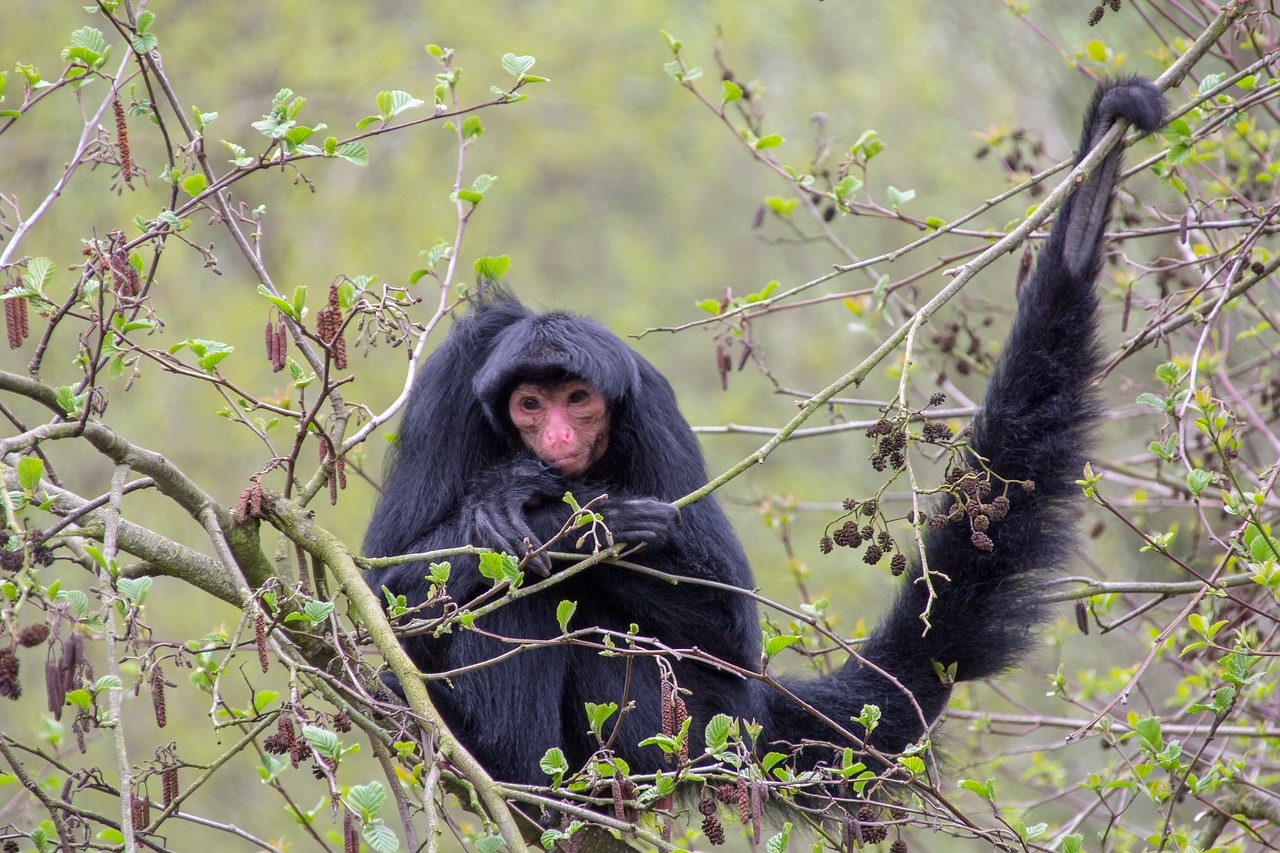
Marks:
<point>550,348</point>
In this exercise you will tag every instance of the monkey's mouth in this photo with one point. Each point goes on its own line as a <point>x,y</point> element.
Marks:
<point>572,464</point>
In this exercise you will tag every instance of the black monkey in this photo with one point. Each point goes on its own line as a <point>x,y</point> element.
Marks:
<point>516,408</point>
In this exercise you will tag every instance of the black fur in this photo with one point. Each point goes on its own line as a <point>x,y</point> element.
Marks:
<point>459,475</point>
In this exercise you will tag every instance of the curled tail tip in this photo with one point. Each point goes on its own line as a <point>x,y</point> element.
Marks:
<point>1135,98</point>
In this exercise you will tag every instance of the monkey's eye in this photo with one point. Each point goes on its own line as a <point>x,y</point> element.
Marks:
<point>530,404</point>
<point>579,396</point>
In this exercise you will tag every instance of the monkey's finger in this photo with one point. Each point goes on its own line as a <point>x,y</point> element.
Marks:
<point>492,532</point>
<point>539,564</point>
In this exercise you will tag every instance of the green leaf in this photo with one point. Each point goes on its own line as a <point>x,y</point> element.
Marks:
<point>472,128</point>
<point>145,19</point>
<point>773,140</point>
<point>39,273</point>
<point>208,353</point>
<point>66,399</point>
<point>1169,373</point>
<point>598,715</point>
<point>87,46</point>
<point>1198,480</point>
<point>672,42</point>
<point>776,644</point>
<point>987,793</point>
<point>108,682</point>
<point>781,206</point>
<point>898,197</point>
<point>1153,401</point>
<point>322,741</point>
<point>353,152</point>
<point>553,763</point>
<point>81,698</point>
<point>317,611</point>
<point>367,799</point>
<point>391,104</point>
<point>492,268</point>
<point>500,567</point>
<point>730,92</point>
<point>194,185</point>
<point>379,837</point>
<point>1178,132</point>
<point>144,43</point>
<point>488,844</point>
<point>134,590</point>
<point>517,66</point>
<point>76,598</point>
<point>30,470</point>
<point>564,612</point>
<point>716,733</point>
<point>285,307</point>
<point>912,764</point>
<point>848,185</point>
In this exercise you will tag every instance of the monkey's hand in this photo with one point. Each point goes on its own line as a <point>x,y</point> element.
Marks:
<point>496,511</point>
<point>641,521</point>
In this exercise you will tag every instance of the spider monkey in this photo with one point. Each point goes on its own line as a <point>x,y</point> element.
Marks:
<point>517,408</point>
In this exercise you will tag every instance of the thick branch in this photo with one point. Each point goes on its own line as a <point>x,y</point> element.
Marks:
<point>297,524</point>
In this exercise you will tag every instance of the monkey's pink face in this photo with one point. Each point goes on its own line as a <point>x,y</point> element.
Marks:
<point>565,424</point>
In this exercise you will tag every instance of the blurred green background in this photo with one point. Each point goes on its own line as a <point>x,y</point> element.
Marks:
<point>619,196</point>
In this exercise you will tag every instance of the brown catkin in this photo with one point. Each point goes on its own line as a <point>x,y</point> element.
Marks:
<point>871,831</point>
<point>15,319</point>
<point>898,846</point>
<point>10,686</point>
<point>33,635</point>
<point>706,806</point>
<point>140,812</point>
<point>169,779</point>
<point>54,694</point>
<point>282,348</point>
<point>898,564</point>
<point>350,835</point>
<point>340,353</point>
<point>157,696</point>
<point>713,829</point>
<point>297,752</point>
<point>122,139</point>
<point>759,793</point>
<point>260,638</point>
<point>668,712</point>
<point>848,834</point>
<point>341,722</point>
<point>682,714</point>
<point>619,808</point>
